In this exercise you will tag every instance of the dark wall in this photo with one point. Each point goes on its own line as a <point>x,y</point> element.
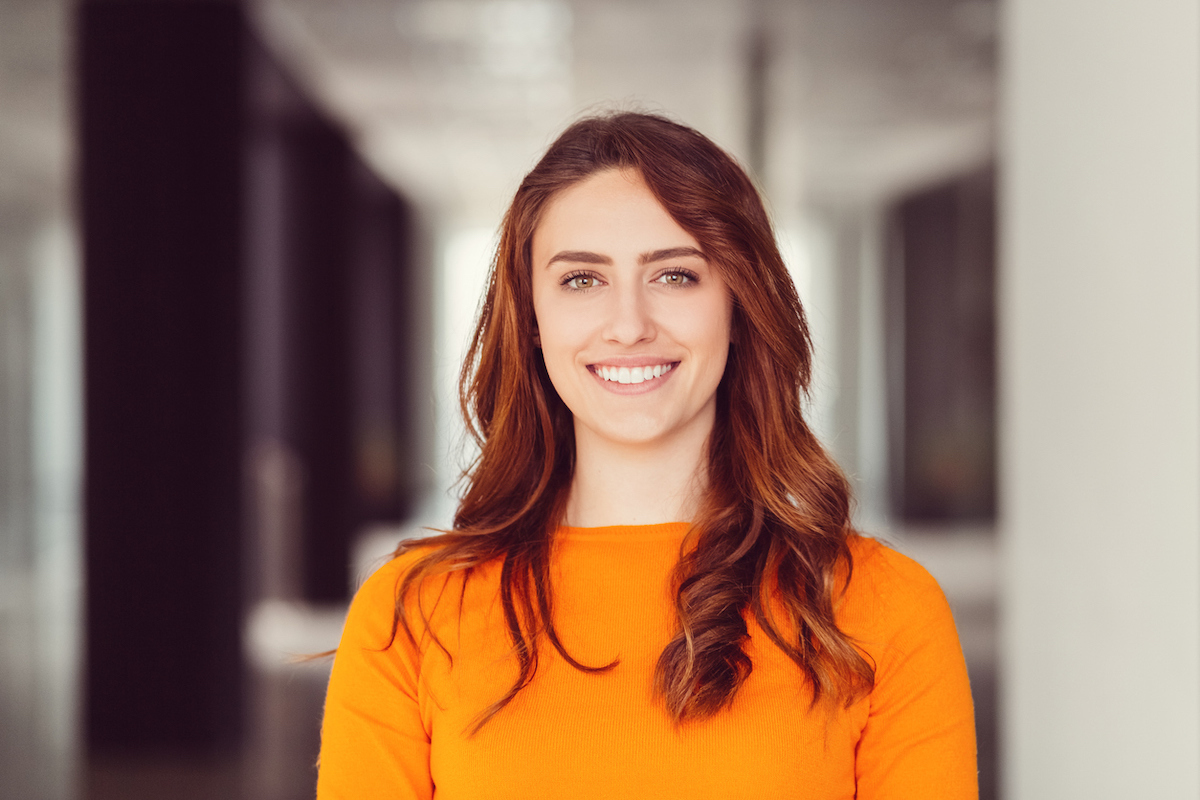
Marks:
<point>331,281</point>
<point>160,124</point>
<point>322,431</point>
<point>941,336</point>
<point>244,283</point>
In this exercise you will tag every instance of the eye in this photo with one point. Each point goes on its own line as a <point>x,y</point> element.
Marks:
<point>676,278</point>
<point>580,281</point>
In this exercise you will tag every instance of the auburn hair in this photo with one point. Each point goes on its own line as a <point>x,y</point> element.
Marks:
<point>771,535</point>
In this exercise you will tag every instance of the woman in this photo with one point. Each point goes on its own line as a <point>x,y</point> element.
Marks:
<point>652,588</point>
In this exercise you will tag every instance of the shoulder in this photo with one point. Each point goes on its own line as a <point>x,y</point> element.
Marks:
<point>420,589</point>
<point>889,593</point>
<point>373,611</point>
<point>878,568</point>
<point>385,581</point>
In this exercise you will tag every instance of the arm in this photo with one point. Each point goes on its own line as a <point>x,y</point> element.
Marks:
<point>374,742</point>
<point>919,740</point>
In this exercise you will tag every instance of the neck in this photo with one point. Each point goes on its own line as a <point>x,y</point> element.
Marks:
<point>640,484</point>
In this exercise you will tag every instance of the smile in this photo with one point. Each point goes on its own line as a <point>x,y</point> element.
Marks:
<point>632,374</point>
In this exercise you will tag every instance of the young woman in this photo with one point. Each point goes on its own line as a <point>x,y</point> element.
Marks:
<point>651,588</point>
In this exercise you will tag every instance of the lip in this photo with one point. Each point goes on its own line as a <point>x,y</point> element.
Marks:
<point>632,361</point>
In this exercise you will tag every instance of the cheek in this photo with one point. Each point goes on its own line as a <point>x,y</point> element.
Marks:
<point>558,330</point>
<point>561,335</point>
<point>718,334</point>
<point>706,327</point>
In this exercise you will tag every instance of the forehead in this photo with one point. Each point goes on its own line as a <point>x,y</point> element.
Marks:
<point>612,212</point>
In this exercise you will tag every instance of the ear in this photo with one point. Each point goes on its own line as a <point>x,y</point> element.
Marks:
<point>537,339</point>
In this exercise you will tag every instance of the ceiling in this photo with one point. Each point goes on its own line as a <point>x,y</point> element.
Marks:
<point>833,100</point>
<point>453,100</point>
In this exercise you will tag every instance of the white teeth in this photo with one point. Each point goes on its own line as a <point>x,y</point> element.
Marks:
<point>633,374</point>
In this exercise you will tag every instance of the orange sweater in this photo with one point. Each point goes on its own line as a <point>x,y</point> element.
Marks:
<point>395,717</point>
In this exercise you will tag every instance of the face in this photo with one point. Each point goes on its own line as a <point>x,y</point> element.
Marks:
<point>633,321</point>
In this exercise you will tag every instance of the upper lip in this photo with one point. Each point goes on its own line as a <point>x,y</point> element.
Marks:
<point>633,361</point>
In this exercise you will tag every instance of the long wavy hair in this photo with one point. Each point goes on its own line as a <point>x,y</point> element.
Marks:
<point>771,535</point>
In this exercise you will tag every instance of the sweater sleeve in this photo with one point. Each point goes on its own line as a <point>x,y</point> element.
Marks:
<point>374,742</point>
<point>919,739</point>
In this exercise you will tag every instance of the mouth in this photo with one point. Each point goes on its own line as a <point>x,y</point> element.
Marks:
<point>632,375</point>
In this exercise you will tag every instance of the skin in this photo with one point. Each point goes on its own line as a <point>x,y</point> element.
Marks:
<point>618,283</point>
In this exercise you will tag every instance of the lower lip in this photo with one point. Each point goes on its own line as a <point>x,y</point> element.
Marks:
<point>616,387</point>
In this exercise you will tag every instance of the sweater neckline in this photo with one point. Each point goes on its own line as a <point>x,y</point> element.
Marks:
<point>661,530</point>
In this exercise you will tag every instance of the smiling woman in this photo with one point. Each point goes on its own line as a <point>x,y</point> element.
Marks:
<point>652,588</point>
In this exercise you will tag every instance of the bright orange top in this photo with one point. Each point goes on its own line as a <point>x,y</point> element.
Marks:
<point>396,717</point>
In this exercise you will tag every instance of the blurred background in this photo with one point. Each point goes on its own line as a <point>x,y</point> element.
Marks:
<point>241,249</point>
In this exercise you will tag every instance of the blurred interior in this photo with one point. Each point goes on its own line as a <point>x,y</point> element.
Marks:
<point>241,247</point>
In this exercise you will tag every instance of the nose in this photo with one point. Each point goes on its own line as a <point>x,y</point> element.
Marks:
<point>630,318</point>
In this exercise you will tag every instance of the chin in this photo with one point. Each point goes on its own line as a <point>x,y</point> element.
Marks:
<point>634,432</point>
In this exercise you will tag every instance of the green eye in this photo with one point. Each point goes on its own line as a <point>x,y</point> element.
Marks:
<point>675,278</point>
<point>581,282</point>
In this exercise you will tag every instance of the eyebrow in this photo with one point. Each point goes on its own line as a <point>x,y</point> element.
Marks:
<point>588,257</point>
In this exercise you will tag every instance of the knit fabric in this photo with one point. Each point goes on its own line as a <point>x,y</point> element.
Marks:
<point>397,717</point>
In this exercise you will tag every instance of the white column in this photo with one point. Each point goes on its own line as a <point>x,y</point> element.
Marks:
<point>1100,377</point>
